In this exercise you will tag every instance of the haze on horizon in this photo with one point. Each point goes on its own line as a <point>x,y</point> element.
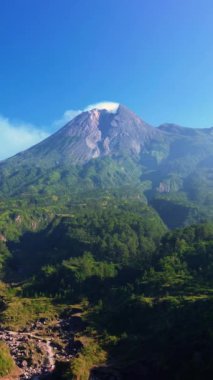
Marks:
<point>58,57</point>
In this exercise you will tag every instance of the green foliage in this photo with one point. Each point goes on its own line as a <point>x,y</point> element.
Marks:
<point>4,256</point>
<point>20,311</point>
<point>85,266</point>
<point>125,233</point>
<point>6,362</point>
<point>160,320</point>
<point>177,211</point>
<point>148,290</point>
<point>91,355</point>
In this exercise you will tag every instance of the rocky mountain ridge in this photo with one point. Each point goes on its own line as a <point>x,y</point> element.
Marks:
<point>94,134</point>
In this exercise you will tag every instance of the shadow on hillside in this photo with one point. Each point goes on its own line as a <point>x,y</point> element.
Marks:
<point>36,249</point>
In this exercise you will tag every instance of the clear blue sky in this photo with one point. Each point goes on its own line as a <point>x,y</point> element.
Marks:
<point>155,56</point>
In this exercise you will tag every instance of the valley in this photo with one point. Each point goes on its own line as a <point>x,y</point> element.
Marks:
<point>106,241</point>
<point>86,295</point>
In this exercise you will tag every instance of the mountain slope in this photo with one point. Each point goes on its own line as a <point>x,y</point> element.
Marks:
<point>111,141</point>
<point>100,149</point>
<point>93,134</point>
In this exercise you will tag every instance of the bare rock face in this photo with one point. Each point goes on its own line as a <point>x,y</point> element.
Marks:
<point>163,187</point>
<point>92,134</point>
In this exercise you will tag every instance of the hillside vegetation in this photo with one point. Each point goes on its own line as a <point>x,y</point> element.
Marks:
<point>106,252</point>
<point>146,292</point>
<point>6,362</point>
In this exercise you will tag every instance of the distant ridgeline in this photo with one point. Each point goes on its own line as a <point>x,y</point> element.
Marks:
<point>118,153</point>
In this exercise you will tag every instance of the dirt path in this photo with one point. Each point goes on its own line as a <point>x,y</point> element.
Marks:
<point>50,355</point>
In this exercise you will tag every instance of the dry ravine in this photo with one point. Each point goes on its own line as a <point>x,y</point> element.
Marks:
<point>38,347</point>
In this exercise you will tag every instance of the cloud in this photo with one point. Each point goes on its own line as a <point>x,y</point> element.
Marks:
<point>67,116</point>
<point>109,106</point>
<point>70,114</point>
<point>15,137</point>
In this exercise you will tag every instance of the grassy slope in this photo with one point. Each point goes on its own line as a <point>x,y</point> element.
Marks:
<point>6,362</point>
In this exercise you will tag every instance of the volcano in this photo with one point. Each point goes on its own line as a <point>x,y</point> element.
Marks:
<point>110,149</point>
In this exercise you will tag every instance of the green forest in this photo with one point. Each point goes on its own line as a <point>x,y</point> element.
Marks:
<point>145,291</point>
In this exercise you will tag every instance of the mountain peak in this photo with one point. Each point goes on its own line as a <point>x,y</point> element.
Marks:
<point>104,129</point>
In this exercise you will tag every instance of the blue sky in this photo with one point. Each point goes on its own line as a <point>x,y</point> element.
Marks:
<point>154,56</point>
